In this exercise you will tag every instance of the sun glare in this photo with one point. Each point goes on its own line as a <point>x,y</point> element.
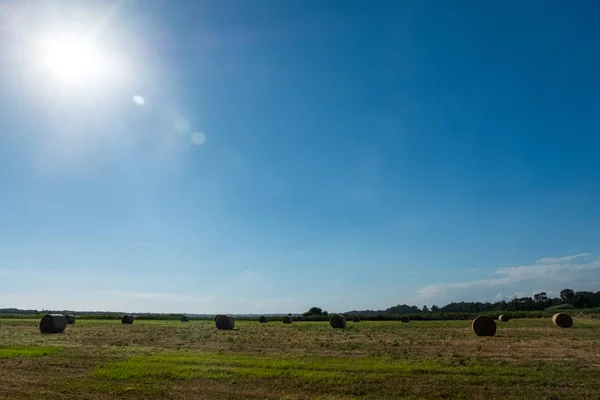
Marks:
<point>71,59</point>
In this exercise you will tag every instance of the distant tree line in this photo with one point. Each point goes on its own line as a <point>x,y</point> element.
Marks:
<point>16,311</point>
<point>538,305</point>
<point>539,302</point>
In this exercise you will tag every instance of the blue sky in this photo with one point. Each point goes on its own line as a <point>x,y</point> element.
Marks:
<point>271,156</point>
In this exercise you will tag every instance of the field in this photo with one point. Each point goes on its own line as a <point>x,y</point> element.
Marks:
<point>527,359</point>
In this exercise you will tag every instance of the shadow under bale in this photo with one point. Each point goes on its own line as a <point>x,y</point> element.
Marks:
<point>263,319</point>
<point>287,319</point>
<point>562,320</point>
<point>484,326</point>
<point>337,321</point>
<point>70,319</point>
<point>53,323</point>
<point>127,319</point>
<point>224,322</point>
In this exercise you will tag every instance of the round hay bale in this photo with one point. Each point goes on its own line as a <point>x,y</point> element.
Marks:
<point>484,326</point>
<point>127,319</point>
<point>405,318</point>
<point>287,319</point>
<point>53,323</point>
<point>217,316</point>
<point>185,318</point>
<point>70,319</point>
<point>562,320</point>
<point>263,319</point>
<point>300,318</point>
<point>504,318</point>
<point>337,321</point>
<point>225,322</point>
<point>355,318</point>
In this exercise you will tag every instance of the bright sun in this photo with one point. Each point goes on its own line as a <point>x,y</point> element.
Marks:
<point>71,59</point>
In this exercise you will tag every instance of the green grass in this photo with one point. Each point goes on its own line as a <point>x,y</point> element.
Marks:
<point>341,370</point>
<point>30,351</point>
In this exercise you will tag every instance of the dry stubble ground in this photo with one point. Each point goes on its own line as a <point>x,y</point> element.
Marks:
<point>527,359</point>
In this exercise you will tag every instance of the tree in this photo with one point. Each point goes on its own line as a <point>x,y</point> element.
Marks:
<point>514,305</point>
<point>567,296</point>
<point>434,308</point>
<point>325,313</point>
<point>526,303</point>
<point>541,297</point>
<point>402,309</point>
<point>579,302</point>
<point>313,311</point>
<point>425,309</point>
<point>540,300</point>
<point>584,299</point>
<point>501,305</point>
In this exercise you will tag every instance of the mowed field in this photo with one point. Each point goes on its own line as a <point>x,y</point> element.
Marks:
<point>527,359</point>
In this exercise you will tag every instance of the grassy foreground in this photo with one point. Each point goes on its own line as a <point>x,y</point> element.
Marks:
<point>172,360</point>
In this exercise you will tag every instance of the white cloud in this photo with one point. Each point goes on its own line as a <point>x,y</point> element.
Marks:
<point>561,260</point>
<point>139,100</point>
<point>517,295</point>
<point>552,274</point>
